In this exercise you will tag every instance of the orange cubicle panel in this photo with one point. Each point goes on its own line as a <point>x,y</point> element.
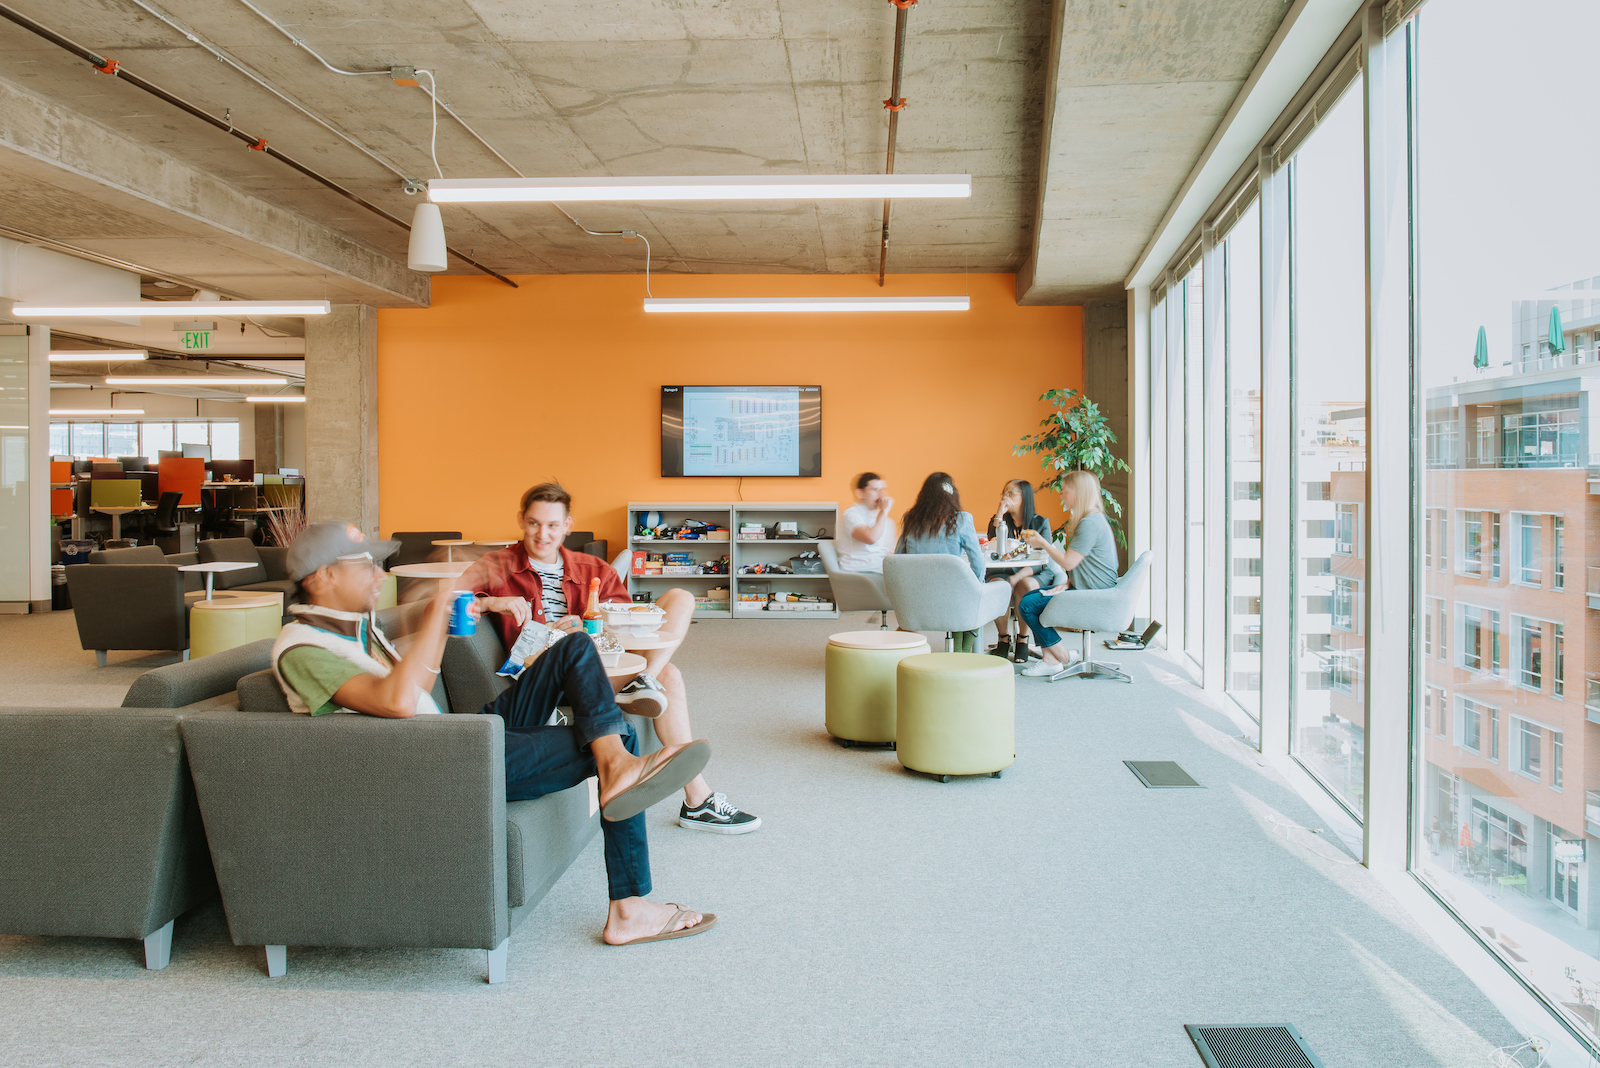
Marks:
<point>183,476</point>
<point>60,499</point>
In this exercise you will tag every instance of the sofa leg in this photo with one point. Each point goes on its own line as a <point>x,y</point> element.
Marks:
<point>277,961</point>
<point>158,948</point>
<point>100,657</point>
<point>497,962</point>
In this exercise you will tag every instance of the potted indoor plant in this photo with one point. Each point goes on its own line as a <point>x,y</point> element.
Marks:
<point>1076,437</point>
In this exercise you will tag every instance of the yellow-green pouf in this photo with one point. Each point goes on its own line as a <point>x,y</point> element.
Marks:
<point>388,597</point>
<point>861,682</point>
<point>229,622</point>
<point>957,713</point>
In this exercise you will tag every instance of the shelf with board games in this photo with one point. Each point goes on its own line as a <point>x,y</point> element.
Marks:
<point>788,529</point>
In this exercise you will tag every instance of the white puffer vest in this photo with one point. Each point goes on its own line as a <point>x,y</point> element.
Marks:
<point>348,635</point>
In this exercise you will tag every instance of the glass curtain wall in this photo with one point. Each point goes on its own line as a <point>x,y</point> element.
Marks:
<point>14,584</point>
<point>1194,470</point>
<point>82,439</point>
<point>1507,257</point>
<point>1327,255</point>
<point>1241,260</point>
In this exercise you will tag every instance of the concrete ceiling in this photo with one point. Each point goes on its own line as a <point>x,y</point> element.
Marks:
<point>1078,121</point>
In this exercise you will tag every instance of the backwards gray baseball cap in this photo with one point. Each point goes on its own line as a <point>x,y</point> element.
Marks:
<point>321,544</point>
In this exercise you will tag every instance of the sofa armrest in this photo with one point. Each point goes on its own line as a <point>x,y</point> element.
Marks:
<point>193,681</point>
<point>275,558</point>
<point>99,831</point>
<point>348,830</point>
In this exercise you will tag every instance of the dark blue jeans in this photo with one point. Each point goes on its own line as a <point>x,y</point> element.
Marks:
<point>1030,608</point>
<point>544,760</point>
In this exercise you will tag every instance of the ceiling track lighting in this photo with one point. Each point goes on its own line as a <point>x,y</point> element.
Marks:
<point>96,355</point>
<point>714,187</point>
<point>140,309</point>
<point>807,304</point>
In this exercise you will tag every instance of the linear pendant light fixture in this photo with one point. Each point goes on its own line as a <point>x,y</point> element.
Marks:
<point>95,355</point>
<point>143,308</point>
<point>287,399</point>
<point>96,411</point>
<point>193,380</point>
<point>707,187</point>
<point>805,304</point>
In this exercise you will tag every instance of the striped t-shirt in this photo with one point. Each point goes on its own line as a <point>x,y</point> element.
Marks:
<point>553,599</point>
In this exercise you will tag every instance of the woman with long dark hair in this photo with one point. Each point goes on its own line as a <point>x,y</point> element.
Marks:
<point>1015,516</point>
<point>936,524</point>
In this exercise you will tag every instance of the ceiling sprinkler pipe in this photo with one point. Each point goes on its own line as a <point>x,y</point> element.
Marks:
<point>895,104</point>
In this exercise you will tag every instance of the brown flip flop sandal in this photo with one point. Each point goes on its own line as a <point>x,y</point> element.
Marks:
<point>708,920</point>
<point>661,778</point>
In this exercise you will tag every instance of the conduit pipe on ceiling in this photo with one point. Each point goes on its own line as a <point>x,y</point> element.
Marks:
<point>895,104</point>
<point>259,144</point>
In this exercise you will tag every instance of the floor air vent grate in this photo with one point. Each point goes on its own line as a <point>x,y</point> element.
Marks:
<point>1161,774</point>
<point>1274,1046</point>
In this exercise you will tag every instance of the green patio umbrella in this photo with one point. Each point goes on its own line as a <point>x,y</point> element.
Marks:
<point>1480,355</point>
<point>1558,341</point>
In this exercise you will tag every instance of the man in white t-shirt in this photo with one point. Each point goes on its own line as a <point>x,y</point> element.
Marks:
<point>866,532</point>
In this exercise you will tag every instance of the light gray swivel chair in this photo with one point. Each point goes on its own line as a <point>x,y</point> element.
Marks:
<point>1103,610</point>
<point>938,592</point>
<point>855,591</point>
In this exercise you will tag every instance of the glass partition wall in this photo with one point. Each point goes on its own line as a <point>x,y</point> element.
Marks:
<point>1393,221</point>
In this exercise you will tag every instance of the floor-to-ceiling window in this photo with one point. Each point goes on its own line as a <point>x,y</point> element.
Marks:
<point>1241,262</point>
<point>1507,236</point>
<point>1194,470</point>
<point>1329,383</point>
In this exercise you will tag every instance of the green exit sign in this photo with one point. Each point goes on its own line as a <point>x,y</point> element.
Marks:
<point>194,340</point>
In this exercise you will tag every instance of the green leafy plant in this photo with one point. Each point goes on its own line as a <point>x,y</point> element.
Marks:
<point>1076,437</point>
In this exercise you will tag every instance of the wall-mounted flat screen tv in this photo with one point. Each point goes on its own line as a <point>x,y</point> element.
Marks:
<point>736,431</point>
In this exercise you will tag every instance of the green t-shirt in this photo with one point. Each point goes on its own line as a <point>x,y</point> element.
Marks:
<point>316,676</point>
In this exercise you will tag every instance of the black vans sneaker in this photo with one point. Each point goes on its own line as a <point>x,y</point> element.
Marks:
<point>718,815</point>
<point>644,696</point>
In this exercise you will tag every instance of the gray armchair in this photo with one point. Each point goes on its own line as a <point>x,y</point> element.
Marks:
<point>937,592</point>
<point>100,835</point>
<point>1103,610</point>
<point>855,591</point>
<point>123,606</point>
<point>269,575</point>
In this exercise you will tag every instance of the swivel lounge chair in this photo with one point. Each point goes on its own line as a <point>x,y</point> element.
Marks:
<point>935,592</point>
<point>1103,610</point>
<point>855,591</point>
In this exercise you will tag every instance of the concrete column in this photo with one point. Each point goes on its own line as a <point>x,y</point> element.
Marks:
<point>1105,377</point>
<point>269,438</point>
<point>342,416</point>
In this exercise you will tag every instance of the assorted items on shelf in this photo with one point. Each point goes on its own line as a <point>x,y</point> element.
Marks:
<point>762,541</point>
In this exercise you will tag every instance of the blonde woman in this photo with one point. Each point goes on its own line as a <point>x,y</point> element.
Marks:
<point>1089,560</point>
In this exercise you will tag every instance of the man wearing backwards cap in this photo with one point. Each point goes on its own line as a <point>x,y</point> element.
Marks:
<point>333,658</point>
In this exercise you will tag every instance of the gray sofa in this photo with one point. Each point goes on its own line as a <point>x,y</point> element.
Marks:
<point>270,573</point>
<point>131,599</point>
<point>99,831</point>
<point>310,821</point>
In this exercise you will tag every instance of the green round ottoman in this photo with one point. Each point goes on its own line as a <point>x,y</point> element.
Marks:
<point>229,622</point>
<point>861,682</point>
<point>957,714</point>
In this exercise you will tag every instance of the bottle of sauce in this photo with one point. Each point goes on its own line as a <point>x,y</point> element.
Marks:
<point>593,618</point>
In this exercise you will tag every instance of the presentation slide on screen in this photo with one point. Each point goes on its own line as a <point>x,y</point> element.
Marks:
<point>751,430</point>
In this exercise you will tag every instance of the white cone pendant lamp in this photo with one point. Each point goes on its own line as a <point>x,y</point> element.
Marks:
<point>427,251</point>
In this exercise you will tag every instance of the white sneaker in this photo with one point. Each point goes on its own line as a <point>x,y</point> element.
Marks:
<point>1050,667</point>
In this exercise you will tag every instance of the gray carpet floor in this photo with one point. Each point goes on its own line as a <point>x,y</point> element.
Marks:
<point>1061,915</point>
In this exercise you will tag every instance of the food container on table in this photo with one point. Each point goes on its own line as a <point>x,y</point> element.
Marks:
<point>625,617</point>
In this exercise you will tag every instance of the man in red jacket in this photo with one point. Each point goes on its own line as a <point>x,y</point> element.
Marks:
<point>540,579</point>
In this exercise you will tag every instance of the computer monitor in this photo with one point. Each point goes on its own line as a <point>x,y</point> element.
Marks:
<point>133,463</point>
<point>169,454</point>
<point>241,470</point>
<point>201,452</point>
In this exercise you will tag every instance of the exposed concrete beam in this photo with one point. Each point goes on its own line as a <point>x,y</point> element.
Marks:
<point>65,174</point>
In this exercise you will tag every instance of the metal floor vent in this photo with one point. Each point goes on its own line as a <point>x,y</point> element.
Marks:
<point>1273,1046</point>
<point>1162,774</point>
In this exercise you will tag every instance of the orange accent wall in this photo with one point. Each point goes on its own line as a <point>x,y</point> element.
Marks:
<point>493,389</point>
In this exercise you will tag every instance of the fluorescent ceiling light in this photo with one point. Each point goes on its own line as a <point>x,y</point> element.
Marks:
<point>806,304</point>
<point>276,400</point>
<point>193,380</point>
<point>713,187</point>
<point>144,308</point>
<point>12,426</point>
<point>91,355</point>
<point>96,411</point>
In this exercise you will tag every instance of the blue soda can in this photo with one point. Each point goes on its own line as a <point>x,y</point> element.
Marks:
<point>462,621</point>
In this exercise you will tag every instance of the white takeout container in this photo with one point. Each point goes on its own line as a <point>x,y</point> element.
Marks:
<point>622,619</point>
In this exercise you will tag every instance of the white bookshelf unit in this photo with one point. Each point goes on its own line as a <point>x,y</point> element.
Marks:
<point>813,517</point>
